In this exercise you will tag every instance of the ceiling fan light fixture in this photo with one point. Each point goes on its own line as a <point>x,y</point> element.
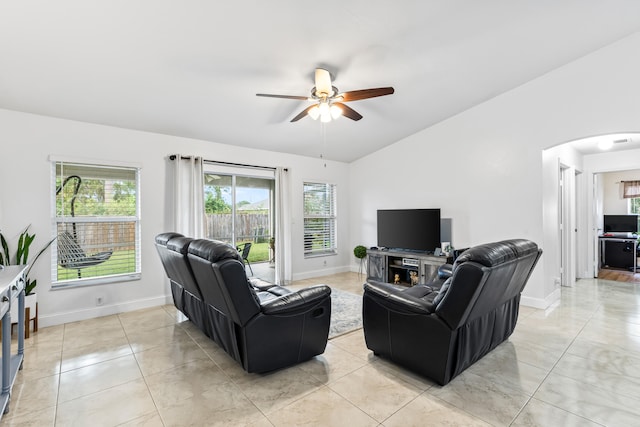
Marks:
<point>325,112</point>
<point>328,102</point>
<point>335,111</point>
<point>325,118</point>
<point>314,112</point>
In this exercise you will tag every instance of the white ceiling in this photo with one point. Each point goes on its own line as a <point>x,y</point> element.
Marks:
<point>617,142</point>
<point>192,68</point>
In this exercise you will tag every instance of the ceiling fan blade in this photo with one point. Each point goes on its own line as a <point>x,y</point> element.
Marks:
<point>356,95</point>
<point>304,98</point>
<point>303,113</point>
<point>348,111</point>
<point>323,82</point>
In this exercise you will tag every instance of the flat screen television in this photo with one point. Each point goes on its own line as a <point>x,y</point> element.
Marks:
<point>409,229</point>
<point>621,223</point>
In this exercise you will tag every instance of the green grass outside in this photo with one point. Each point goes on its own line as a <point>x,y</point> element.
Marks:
<point>122,262</point>
<point>259,252</point>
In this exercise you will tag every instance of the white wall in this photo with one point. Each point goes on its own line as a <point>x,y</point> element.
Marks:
<point>25,174</point>
<point>483,168</point>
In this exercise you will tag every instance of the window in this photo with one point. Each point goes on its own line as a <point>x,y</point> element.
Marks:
<point>631,192</point>
<point>634,208</point>
<point>319,219</point>
<point>239,207</point>
<point>97,224</point>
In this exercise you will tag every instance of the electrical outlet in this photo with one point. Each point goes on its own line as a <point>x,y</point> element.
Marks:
<point>99,300</point>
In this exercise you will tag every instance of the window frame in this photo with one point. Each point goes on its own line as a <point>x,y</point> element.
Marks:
<point>57,284</point>
<point>631,202</point>
<point>331,216</point>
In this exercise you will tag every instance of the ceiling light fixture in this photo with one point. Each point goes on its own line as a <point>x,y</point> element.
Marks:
<point>329,102</point>
<point>605,144</point>
<point>325,111</point>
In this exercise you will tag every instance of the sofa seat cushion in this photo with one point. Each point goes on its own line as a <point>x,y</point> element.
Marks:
<point>259,284</point>
<point>419,291</point>
<point>263,287</point>
<point>264,296</point>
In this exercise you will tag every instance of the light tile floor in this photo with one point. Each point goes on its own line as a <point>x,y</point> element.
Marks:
<point>577,364</point>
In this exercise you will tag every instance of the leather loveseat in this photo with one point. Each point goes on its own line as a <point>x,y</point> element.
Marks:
<point>261,325</point>
<point>440,330</point>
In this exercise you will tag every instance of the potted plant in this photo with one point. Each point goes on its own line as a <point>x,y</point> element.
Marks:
<point>21,257</point>
<point>360,252</point>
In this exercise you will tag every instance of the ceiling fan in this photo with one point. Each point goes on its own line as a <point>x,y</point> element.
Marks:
<point>328,103</point>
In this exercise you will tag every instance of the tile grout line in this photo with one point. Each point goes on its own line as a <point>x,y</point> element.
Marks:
<point>144,378</point>
<point>551,370</point>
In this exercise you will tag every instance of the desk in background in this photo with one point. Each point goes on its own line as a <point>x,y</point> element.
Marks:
<point>618,251</point>
<point>11,292</point>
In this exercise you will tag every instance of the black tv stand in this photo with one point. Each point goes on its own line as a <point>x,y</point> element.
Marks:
<point>619,252</point>
<point>411,266</point>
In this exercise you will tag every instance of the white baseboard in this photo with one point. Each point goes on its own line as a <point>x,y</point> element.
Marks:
<point>319,273</point>
<point>105,310</point>
<point>540,303</point>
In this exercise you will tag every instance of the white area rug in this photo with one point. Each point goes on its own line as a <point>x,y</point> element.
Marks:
<point>346,313</point>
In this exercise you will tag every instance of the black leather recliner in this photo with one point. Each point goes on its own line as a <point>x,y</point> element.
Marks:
<point>261,325</point>
<point>187,297</point>
<point>440,331</point>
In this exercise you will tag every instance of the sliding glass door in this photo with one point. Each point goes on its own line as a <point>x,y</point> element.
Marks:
<point>239,208</point>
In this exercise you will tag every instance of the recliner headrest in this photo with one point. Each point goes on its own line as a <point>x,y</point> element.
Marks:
<point>179,244</point>
<point>163,238</point>
<point>213,250</point>
<point>492,254</point>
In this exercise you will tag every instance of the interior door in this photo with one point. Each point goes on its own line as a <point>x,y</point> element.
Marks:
<point>567,229</point>
<point>597,222</point>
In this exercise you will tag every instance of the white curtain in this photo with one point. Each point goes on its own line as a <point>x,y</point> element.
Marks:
<point>188,195</point>
<point>283,228</point>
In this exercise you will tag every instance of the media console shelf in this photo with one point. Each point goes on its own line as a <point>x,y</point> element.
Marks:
<point>11,292</point>
<point>383,265</point>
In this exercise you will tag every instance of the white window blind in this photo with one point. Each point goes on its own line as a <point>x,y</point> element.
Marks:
<point>97,224</point>
<point>319,219</point>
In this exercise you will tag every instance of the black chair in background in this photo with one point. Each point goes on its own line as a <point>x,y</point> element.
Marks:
<point>244,249</point>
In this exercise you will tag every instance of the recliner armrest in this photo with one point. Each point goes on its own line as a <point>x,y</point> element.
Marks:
<point>445,271</point>
<point>397,299</point>
<point>296,301</point>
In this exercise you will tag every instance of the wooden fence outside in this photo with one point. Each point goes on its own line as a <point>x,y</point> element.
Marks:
<point>254,227</point>
<point>102,236</point>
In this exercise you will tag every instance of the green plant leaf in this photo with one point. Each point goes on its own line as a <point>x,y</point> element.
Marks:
<point>36,259</point>
<point>22,255</point>
<point>5,249</point>
<point>26,244</point>
<point>20,248</point>
<point>360,251</point>
<point>30,286</point>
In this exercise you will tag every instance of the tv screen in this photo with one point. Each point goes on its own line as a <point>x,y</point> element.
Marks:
<point>410,229</point>
<point>621,223</point>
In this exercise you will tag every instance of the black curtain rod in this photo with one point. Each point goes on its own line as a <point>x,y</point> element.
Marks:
<point>173,157</point>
